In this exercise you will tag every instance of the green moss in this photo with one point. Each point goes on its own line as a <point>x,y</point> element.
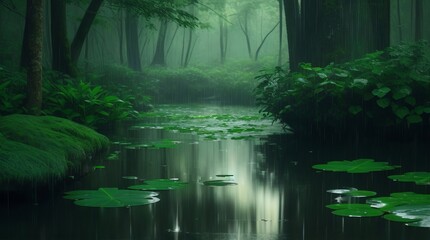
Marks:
<point>37,148</point>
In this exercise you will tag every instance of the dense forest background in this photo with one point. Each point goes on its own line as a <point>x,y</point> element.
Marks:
<point>134,53</point>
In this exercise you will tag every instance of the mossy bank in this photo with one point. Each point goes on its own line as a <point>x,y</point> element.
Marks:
<point>38,149</point>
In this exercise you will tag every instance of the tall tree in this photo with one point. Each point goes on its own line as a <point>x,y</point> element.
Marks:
<point>418,20</point>
<point>281,7</point>
<point>243,23</point>
<point>33,50</point>
<point>132,39</point>
<point>84,28</point>
<point>316,29</point>
<point>61,58</point>
<point>159,56</point>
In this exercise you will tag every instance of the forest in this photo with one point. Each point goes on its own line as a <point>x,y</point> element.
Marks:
<point>90,90</point>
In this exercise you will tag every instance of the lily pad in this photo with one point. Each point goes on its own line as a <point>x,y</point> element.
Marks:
<point>355,166</point>
<point>219,183</point>
<point>353,192</point>
<point>412,215</point>
<point>130,177</point>
<point>397,199</point>
<point>341,190</point>
<point>420,178</point>
<point>111,197</point>
<point>159,185</point>
<point>355,210</point>
<point>224,175</point>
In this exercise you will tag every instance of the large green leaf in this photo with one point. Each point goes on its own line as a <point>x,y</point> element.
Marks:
<point>400,111</point>
<point>412,215</point>
<point>381,92</point>
<point>354,166</point>
<point>397,199</point>
<point>401,92</point>
<point>111,197</point>
<point>420,178</point>
<point>352,192</point>
<point>219,183</point>
<point>414,119</point>
<point>159,185</point>
<point>383,102</point>
<point>355,210</point>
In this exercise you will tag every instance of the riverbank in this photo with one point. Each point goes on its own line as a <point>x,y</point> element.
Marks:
<point>42,149</point>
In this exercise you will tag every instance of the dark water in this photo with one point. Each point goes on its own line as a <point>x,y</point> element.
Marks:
<point>278,196</point>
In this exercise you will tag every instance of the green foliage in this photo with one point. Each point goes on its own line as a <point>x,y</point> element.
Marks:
<point>234,123</point>
<point>84,103</point>
<point>420,178</point>
<point>354,210</point>
<point>41,148</point>
<point>127,84</point>
<point>159,184</point>
<point>77,99</point>
<point>111,197</point>
<point>355,166</point>
<point>11,91</point>
<point>387,88</point>
<point>231,83</point>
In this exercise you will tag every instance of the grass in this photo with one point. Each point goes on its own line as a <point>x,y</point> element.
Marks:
<point>39,148</point>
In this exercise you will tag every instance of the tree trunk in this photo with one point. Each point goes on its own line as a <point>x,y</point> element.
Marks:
<point>418,20</point>
<point>121,36</point>
<point>189,48</point>
<point>264,40</point>
<point>292,20</point>
<point>222,40</point>
<point>316,29</point>
<point>61,59</point>
<point>33,61</point>
<point>245,30</point>
<point>280,33</point>
<point>131,35</point>
<point>159,56</point>
<point>380,17</point>
<point>84,28</point>
<point>399,22</point>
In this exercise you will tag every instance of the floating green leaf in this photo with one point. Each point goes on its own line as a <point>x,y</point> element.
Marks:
<point>111,197</point>
<point>352,192</point>
<point>420,178</point>
<point>130,177</point>
<point>412,215</point>
<point>99,167</point>
<point>159,185</point>
<point>219,182</point>
<point>224,175</point>
<point>354,210</point>
<point>360,193</point>
<point>354,166</point>
<point>397,199</point>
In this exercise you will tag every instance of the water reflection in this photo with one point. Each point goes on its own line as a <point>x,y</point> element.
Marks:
<point>278,196</point>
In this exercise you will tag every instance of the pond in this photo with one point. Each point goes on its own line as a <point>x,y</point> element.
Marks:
<point>268,189</point>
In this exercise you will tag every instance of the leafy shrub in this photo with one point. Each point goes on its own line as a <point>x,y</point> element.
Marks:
<point>383,89</point>
<point>126,83</point>
<point>83,103</point>
<point>11,91</point>
<point>231,83</point>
